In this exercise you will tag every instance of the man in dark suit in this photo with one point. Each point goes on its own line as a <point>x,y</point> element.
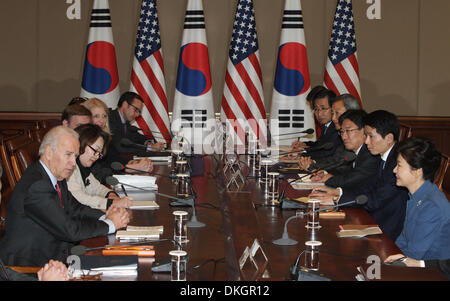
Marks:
<point>322,102</point>
<point>341,104</point>
<point>386,201</point>
<point>363,168</point>
<point>43,219</point>
<point>128,109</point>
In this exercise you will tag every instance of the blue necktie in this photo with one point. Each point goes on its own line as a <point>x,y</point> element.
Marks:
<point>381,167</point>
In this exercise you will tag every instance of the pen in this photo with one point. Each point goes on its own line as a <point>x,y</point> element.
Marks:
<point>124,191</point>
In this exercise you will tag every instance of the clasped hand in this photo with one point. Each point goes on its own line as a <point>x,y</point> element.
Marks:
<point>119,216</point>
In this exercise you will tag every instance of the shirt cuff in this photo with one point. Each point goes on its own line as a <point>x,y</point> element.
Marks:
<point>111,226</point>
<point>422,263</point>
<point>340,194</point>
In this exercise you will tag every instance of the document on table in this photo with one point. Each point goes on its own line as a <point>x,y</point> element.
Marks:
<point>144,182</point>
<point>133,235</point>
<point>144,205</point>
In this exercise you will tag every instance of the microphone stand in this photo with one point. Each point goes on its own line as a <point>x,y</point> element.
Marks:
<point>286,241</point>
<point>178,201</point>
<point>287,203</point>
<point>194,223</point>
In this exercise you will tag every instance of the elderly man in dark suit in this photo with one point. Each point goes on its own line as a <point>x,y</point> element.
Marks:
<point>43,219</point>
<point>386,201</point>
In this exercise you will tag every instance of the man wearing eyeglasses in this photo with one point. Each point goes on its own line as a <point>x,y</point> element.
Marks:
<point>365,165</point>
<point>386,201</point>
<point>129,107</point>
<point>322,102</point>
<point>44,220</point>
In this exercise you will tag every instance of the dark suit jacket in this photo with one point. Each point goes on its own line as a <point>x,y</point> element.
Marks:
<point>117,134</point>
<point>366,166</point>
<point>332,136</point>
<point>442,265</point>
<point>386,201</point>
<point>6,274</point>
<point>38,228</point>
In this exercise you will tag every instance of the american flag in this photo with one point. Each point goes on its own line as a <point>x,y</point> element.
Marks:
<point>342,72</point>
<point>243,99</point>
<point>147,75</point>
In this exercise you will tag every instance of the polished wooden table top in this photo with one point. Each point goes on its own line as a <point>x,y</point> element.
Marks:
<point>235,219</point>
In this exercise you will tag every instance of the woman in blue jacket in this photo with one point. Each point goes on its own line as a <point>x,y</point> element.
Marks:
<point>426,230</point>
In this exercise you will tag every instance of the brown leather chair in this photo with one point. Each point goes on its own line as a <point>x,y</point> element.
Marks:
<point>405,132</point>
<point>8,178</point>
<point>22,152</point>
<point>443,176</point>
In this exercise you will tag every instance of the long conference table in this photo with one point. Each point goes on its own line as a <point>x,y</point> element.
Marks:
<point>235,221</point>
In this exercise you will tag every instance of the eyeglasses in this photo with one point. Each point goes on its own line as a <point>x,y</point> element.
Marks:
<point>136,109</point>
<point>96,152</point>
<point>342,132</point>
<point>321,109</point>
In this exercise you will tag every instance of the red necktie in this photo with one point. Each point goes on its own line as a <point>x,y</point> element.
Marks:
<point>58,189</point>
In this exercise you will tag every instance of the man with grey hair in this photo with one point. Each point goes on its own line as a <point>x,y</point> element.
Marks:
<point>341,104</point>
<point>44,221</point>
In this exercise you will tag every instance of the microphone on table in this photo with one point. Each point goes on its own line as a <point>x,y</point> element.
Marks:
<point>188,201</point>
<point>127,142</point>
<point>81,250</point>
<point>193,223</point>
<point>308,132</point>
<point>325,146</point>
<point>359,200</point>
<point>287,203</point>
<point>286,241</point>
<point>117,166</point>
<point>152,132</point>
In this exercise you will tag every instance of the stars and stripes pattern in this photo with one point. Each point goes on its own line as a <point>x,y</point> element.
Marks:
<point>147,75</point>
<point>342,72</point>
<point>243,100</point>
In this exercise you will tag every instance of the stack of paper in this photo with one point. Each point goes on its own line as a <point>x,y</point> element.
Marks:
<point>112,266</point>
<point>306,186</point>
<point>134,235</point>
<point>144,205</point>
<point>160,229</point>
<point>156,158</point>
<point>145,182</point>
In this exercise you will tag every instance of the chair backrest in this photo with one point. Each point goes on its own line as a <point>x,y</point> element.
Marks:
<point>405,132</point>
<point>442,169</point>
<point>38,134</point>
<point>8,178</point>
<point>444,176</point>
<point>22,151</point>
